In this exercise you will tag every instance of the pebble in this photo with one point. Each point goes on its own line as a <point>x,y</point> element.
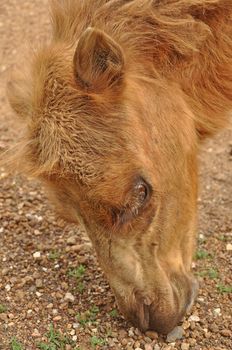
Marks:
<point>194,318</point>
<point>71,240</point>
<point>131,332</point>
<point>7,287</point>
<point>156,347</point>
<point>193,265</point>
<point>37,255</point>
<point>76,325</point>
<point>69,297</point>
<point>184,346</point>
<point>39,283</point>
<point>176,333</point>
<point>37,233</point>
<point>229,246</point>
<point>36,333</point>
<point>74,248</point>
<point>148,347</point>
<point>137,344</point>
<point>5,271</point>
<point>217,311</point>
<point>124,341</point>
<point>57,318</point>
<point>152,335</point>
<point>200,300</point>
<point>226,333</point>
<point>186,325</point>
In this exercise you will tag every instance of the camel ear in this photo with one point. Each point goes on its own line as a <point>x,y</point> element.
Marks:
<point>98,60</point>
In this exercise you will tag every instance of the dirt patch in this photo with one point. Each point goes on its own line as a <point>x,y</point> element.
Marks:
<point>53,294</point>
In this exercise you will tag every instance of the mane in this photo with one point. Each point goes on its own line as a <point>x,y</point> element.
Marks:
<point>155,29</point>
<point>187,42</point>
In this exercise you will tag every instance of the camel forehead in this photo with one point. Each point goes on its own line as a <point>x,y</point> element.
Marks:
<point>73,129</point>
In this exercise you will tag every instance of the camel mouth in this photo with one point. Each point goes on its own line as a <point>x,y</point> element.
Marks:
<point>160,314</point>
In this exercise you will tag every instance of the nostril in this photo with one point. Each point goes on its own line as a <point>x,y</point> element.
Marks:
<point>141,317</point>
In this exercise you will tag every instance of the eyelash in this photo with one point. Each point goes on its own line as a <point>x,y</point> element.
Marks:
<point>132,208</point>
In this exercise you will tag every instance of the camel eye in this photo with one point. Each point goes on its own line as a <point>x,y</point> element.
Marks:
<point>142,191</point>
<point>139,197</point>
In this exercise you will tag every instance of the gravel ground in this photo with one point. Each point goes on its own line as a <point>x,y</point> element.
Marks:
<point>53,294</point>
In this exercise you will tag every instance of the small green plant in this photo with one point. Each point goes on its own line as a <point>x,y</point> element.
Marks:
<point>202,254</point>
<point>55,340</point>
<point>15,344</point>
<point>95,341</point>
<point>3,308</point>
<point>213,274</point>
<point>113,313</point>
<point>54,255</point>
<point>224,289</point>
<point>77,272</point>
<point>224,238</point>
<point>221,238</point>
<point>80,287</point>
<point>88,316</point>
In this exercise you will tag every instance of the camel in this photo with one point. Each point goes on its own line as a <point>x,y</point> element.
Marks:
<point>114,110</point>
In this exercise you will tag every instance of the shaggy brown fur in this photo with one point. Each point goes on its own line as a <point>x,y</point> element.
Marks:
<point>114,109</point>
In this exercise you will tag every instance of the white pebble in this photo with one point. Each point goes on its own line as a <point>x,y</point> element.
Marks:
<point>194,318</point>
<point>37,255</point>
<point>75,325</point>
<point>217,311</point>
<point>229,246</point>
<point>69,297</point>
<point>184,346</point>
<point>74,338</point>
<point>8,287</point>
<point>200,299</point>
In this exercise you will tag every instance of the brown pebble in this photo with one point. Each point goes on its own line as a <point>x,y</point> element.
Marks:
<point>122,334</point>
<point>148,347</point>
<point>152,335</point>
<point>124,341</point>
<point>226,333</point>
<point>57,318</point>
<point>137,344</point>
<point>36,334</point>
<point>39,283</point>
